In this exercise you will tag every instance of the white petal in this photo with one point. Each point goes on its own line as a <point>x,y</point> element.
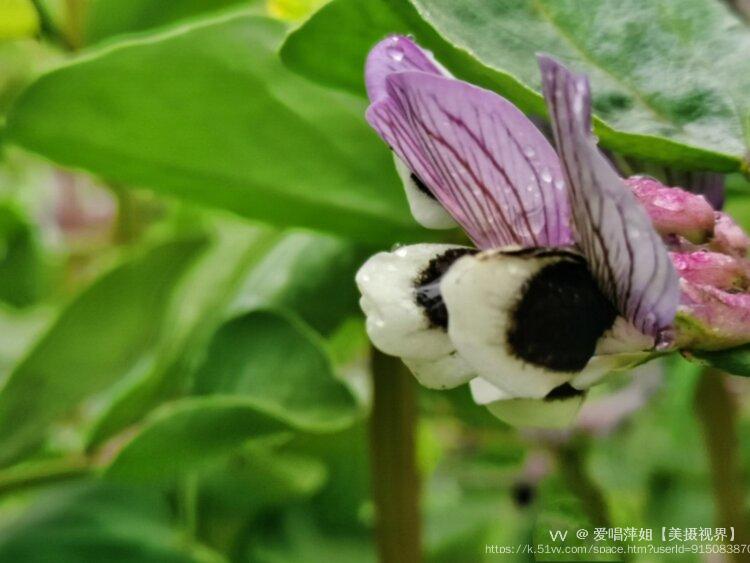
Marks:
<point>446,372</point>
<point>479,291</point>
<point>483,392</point>
<point>624,337</point>
<point>396,324</point>
<point>426,210</point>
<point>620,348</point>
<point>600,366</point>
<point>538,413</point>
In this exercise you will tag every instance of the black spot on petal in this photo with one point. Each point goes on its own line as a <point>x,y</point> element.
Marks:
<point>420,185</point>
<point>544,252</point>
<point>427,285</point>
<point>559,318</point>
<point>562,392</point>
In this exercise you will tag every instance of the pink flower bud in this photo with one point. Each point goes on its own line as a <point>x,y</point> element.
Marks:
<point>711,268</point>
<point>729,236</point>
<point>674,211</point>
<point>710,318</point>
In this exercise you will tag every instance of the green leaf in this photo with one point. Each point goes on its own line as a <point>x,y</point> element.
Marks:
<point>669,77</point>
<point>88,522</point>
<point>735,361</point>
<point>299,537</point>
<point>250,356</point>
<point>20,262</point>
<point>236,498</point>
<point>310,274</point>
<point>199,307</point>
<point>332,45</point>
<point>293,9</point>
<point>18,18</point>
<point>106,18</point>
<point>207,113</point>
<point>255,386</point>
<point>96,339</point>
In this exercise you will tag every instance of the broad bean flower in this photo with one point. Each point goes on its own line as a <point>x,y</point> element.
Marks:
<point>574,272</point>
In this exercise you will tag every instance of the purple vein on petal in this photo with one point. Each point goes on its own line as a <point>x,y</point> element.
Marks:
<point>486,163</point>
<point>625,253</point>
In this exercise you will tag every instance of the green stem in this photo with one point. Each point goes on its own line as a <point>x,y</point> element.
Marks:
<point>717,414</point>
<point>48,27</point>
<point>30,474</point>
<point>75,21</point>
<point>395,479</point>
<point>571,461</point>
<point>188,503</point>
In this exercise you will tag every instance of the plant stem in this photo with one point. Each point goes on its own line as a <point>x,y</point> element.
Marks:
<point>75,19</point>
<point>395,479</point>
<point>188,505</point>
<point>48,27</point>
<point>571,460</point>
<point>30,474</point>
<point>717,413</point>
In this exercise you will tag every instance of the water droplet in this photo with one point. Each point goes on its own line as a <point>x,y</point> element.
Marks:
<point>559,184</point>
<point>546,174</point>
<point>529,151</point>
<point>578,105</point>
<point>395,53</point>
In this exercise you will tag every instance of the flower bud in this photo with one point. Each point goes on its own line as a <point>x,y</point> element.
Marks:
<point>673,211</point>
<point>711,268</point>
<point>711,319</point>
<point>729,236</point>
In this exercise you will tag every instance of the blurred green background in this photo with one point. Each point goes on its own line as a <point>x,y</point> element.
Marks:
<point>183,205</point>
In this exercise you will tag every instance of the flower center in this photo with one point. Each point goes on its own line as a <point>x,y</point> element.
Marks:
<point>559,317</point>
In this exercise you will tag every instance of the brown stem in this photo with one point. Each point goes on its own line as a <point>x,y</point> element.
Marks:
<point>395,480</point>
<point>571,461</point>
<point>717,413</point>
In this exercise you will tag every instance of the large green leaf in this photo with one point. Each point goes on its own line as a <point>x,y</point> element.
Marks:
<point>264,373</point>
<point>281,364</point>
<point>669,77</point>
<point>105,18</point>
<point>208,113</point>
<point>92,522</point>
<point>200,306</point>
<point>95,340</point>
<point>310,274</point>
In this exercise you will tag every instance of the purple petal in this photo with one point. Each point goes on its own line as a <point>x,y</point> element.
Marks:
<point>395,54</point>
<point>485,162</point>
<point>624,251</point>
